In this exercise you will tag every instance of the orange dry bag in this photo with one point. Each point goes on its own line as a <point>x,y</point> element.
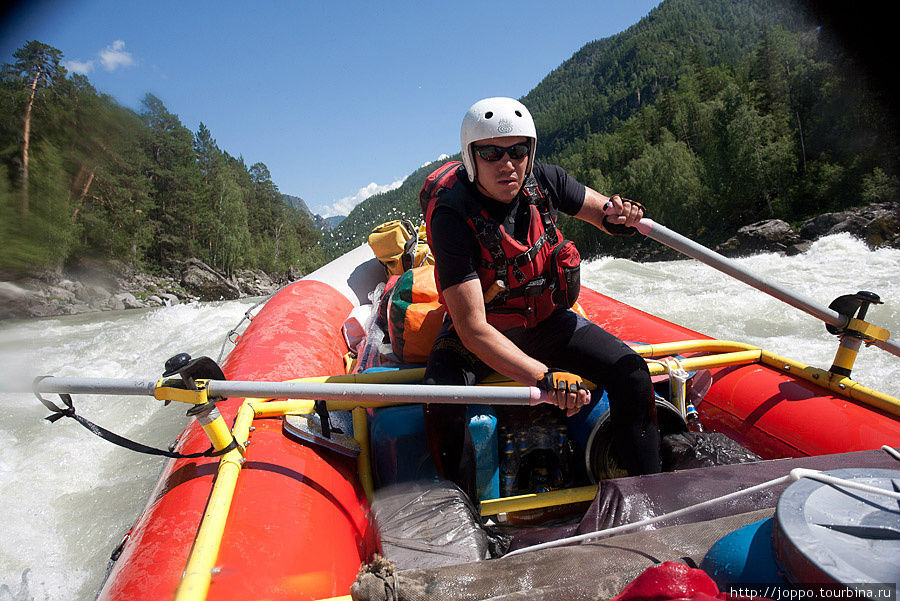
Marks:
<point>415,315</point>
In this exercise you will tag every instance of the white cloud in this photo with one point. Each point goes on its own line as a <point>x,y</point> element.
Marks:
<point>443,157</point>
<point>114,56</point>
<point>344,205</point>
<point>80,67</point>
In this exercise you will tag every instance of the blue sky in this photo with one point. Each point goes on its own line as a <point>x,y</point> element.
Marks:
<point>339,99</point>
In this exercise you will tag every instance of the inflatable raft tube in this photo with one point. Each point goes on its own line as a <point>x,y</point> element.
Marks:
<point>298,525</point>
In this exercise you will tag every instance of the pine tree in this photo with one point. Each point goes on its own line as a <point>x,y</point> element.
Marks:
<point>175,180</point>
<point>39,66</point>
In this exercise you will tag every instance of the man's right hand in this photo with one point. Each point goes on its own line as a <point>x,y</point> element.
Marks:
<point>621,215</point>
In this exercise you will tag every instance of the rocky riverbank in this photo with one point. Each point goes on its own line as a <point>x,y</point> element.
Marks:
<point>878,225</point>
<point>112,285</point>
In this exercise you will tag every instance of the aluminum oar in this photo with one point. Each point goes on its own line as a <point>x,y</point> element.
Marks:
<point>688,247</point>
<point>324,391</point>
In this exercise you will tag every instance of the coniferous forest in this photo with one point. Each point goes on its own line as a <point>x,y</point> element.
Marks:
<point>712,114</point>
<point>82,176</point>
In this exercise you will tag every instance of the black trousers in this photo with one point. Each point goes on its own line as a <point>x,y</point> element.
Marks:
<point>564,341</point>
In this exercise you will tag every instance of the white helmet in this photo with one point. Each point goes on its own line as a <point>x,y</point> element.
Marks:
<point>495,118</point>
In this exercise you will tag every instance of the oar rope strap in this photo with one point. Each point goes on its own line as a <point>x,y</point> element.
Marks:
<point>69,411</point>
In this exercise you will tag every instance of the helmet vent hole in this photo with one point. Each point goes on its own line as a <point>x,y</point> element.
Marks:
<point>518,113</point>
<point>488,115</point>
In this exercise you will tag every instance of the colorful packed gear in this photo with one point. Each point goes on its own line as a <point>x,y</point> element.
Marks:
<point>414,315</point>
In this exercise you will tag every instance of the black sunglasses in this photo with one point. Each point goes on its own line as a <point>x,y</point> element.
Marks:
<point>492,153</point>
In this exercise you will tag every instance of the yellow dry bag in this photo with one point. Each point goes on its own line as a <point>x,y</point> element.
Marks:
<point>400,246</point>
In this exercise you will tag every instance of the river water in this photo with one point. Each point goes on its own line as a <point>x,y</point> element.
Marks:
<point>67,497</point>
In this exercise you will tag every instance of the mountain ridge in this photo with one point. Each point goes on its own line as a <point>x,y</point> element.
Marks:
<point>713,115</point>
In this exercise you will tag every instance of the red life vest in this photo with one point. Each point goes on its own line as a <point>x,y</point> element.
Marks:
<point>537,275</point>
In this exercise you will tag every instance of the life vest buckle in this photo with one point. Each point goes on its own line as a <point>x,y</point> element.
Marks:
<point>535,287</point>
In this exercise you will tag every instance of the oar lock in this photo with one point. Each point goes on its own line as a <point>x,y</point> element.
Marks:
<point>858,304</point>
<point>191,386</point>
<point>855,331</point>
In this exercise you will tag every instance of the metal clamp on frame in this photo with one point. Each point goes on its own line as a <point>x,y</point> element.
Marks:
<point>173,389</point>
<point>195,374</point>
<point>856,331</point>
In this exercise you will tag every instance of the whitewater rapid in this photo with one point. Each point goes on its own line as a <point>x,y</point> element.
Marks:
<point>67,497</point>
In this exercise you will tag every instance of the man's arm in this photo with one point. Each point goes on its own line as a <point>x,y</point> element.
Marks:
<point>625,213</point>
<point>465,304</point>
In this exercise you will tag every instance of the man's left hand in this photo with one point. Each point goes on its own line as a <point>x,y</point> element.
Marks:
<point>621,215</point>
<point>566,390</point>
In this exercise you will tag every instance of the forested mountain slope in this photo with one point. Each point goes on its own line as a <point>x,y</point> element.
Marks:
<point>82,176</point>
<point>713,114</point>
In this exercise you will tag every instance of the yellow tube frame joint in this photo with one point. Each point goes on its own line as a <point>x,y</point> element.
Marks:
<point>856,333</point>
<point>217,430</point>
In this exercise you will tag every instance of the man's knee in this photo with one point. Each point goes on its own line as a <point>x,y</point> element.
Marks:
<point>450,363</point>
<point>634,377</point>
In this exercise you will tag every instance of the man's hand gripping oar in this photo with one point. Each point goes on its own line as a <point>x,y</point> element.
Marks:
<point>565,390</point>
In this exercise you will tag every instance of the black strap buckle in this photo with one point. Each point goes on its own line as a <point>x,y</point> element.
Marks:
<point>535,287</point>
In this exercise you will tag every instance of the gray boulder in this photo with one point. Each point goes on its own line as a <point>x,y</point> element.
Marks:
<point>113,303</point>
<point>771,235</point>
<point>254,283</point>
<point>128,300</point>
<point>294,274</point>
<point>876,224</point>
<point>202,281</point>
<point>169,299</point>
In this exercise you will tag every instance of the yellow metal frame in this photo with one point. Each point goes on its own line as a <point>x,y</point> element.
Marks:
<point>201,562</point>
<point>198,572</point>
<point>738,353</point>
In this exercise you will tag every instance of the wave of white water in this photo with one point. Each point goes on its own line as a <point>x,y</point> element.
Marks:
<point>696,296</point>
<point>67,497</point>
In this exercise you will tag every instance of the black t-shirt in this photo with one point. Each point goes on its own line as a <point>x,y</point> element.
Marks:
<point>456,251</point>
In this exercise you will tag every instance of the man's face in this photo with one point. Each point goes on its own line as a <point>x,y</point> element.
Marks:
<point>501,180</point>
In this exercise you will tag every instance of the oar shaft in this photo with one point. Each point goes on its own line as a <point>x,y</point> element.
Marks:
<point>388,393</point>
<point>674,240</point>
<point>887,345</point>
<point>113,386</point>
<point>325,391</point>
